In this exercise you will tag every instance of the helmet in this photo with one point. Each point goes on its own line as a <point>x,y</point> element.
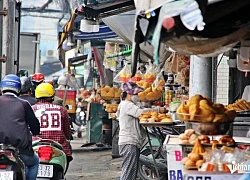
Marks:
<point>55,80</point>
<point>44,90</point>
<point>25,84</point>
<point>38,77</point>
<point>62,80</point>
<point>11,82</point>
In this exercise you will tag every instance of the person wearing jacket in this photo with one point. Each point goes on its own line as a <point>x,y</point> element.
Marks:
<point>25,92</point>
<point>131,134</point>
<point>18,121</point>
<point>53,118</point>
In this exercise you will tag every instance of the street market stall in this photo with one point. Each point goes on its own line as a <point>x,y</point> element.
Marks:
<point>207,149</point>
<point>209,146</point>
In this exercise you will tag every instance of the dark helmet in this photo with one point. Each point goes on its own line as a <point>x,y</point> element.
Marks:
<point>25,85</point>
<point>55,81</point>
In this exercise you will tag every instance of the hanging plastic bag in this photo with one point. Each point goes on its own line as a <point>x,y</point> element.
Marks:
<point>182,62</point>
<point>124,75</point>
<point>182,77</point>
<point>151,72</point>
<point>171,63</point>
<point>159,80</point>
<point>138,76</point>
<point>157,89</point>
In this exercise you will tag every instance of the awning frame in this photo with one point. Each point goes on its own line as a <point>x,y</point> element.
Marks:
<point>93,12</point>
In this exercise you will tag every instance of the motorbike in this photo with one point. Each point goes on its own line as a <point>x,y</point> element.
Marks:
<point>53,160</point>
<point>11,166</point>
<point>146,169</point>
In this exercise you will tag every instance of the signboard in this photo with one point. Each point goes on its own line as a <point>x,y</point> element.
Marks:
<point>176,169</point>
<point>174,157</point>
<point>212,176</point>
<point>110,63</point>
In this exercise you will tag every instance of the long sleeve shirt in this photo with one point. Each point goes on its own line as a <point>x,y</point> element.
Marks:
<point>131,132</point>
<point>54,123</point>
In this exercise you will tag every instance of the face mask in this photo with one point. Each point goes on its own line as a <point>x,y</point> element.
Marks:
<point>135,99</point>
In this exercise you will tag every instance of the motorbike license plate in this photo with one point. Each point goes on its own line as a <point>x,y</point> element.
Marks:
<point>6,175</point>
<point>45,170</point>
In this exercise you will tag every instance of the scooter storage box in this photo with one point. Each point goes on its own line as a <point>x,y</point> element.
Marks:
<point>70,99</point>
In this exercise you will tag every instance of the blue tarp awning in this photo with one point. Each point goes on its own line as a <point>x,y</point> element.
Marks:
<point>104,33</point>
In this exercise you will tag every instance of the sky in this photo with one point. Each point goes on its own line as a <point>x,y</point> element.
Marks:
<point>36,3</point>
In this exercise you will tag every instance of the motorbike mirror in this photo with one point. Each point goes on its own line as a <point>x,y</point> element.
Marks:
<point>22,73</point>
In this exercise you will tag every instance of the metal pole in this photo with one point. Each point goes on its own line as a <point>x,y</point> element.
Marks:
<point>1,36</point>
<point>214,78</point>
<point>18,37</point>
<point>8,46</point>
<point>152,152</point>
<point>201,76</point>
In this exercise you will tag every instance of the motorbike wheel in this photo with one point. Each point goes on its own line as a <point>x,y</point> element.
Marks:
<point>146,173</point>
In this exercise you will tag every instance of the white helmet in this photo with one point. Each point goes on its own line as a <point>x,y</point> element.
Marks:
<point>62,80</point>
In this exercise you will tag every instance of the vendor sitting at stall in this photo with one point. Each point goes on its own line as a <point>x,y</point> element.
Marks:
<point>131,133</point>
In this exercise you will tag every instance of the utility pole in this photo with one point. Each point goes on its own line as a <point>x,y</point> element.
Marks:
<point>201,75</point>
<point>8,37</point>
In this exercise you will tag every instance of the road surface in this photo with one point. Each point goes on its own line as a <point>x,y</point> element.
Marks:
<point>92,165</point>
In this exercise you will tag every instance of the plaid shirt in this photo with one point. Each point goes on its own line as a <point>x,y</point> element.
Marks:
<point>54,123</point>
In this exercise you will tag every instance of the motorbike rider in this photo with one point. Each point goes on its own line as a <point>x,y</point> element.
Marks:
<point>62,85</point>
<point>36,79</point>
<point>16,127</point>
<point>25,92</point>
<point>59,129</point>
<point>55,82</point>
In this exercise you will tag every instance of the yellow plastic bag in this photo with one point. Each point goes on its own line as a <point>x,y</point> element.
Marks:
<point>124,75</point>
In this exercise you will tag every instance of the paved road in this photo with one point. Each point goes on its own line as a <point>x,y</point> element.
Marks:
<point>92,165</point>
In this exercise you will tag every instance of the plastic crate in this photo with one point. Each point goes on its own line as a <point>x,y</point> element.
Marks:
<point>70,99</point>
<point>71,94</point>
<point>71,105</point>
